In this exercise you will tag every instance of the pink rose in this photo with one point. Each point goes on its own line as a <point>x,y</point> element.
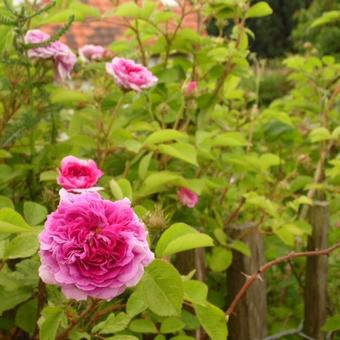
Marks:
<point>65,60</point>
<point>36,37</point>
<point>91,52</point>
<point>63,57</point>
<point>93,247</point>
<point>191,88</point>
<point>76,173</point>
<point>187,197</point>
<point>129,75</point>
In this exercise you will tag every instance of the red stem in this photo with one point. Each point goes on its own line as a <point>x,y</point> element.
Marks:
<point>251,279</point>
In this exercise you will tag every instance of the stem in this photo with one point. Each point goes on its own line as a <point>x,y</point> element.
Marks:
<point>140,43</point>
<point>257,275</point>
<point>65,334</point>
<point>324,151</point>
<point>107,133</point>
<point>235,213</point>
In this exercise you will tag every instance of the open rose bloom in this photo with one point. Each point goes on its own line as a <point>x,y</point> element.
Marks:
<point>93,247</point>
<point>76,173</point>
<point>187,197</point>
<point>64,59</point>
<point>129,75</point>
<point>91,52</point>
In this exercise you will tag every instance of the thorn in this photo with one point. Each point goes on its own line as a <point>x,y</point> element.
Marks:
<point>258,276</point>
<point>246,275</point>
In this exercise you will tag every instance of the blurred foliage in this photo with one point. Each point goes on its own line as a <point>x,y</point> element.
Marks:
<point>326,39</point>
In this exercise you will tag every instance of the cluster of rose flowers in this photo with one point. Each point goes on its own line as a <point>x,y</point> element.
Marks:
<point>92,247</point>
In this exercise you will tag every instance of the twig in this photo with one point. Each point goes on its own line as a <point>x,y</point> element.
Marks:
<point>297,331</point>
<point>325,149</point>
<point>235,213</point>
<point>252,278</point>
<point>65,334</point>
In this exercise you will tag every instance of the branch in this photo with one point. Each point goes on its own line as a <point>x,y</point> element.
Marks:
<point>54,38</point>
<point>257,275</point>
<point>324,152</point>
<point>297,331</point>
<point>88,311</point>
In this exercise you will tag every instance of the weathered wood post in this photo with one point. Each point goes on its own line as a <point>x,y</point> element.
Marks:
<point>317,271</point>
<point>250,319</point>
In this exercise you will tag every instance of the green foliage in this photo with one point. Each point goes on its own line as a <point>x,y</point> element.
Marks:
<point>162,289</point>
<point>249,141</point>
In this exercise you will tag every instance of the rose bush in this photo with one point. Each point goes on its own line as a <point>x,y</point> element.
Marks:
<point>176,156</point>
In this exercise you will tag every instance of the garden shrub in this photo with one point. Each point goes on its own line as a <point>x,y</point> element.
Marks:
<point>108,163</point>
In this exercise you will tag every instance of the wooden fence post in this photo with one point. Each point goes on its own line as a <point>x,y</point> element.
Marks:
<point>250,319</point>
<point>316,272</point>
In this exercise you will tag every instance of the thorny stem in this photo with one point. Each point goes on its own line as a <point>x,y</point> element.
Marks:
<point>257,275</point>
<point>230,65</point>
<point>107,133</point>
<point>140,43</point>
<point>324,151</point>
<point>65,334</point>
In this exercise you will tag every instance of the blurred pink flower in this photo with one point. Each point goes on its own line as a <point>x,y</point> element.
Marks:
<point>93,247</point>
<point>191,88</point>
<point>187,197</point>
<point>129,75</point>
<point>91,52</point>
<point>61,54</point>
<point>76,173</point>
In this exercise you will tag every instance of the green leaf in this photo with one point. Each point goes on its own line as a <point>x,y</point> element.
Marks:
<point>319,134</point>
<point>213,321</point>
<point>112,324</point>
<point>165,135</point>
<point>47,176</point>
<point>157,182</point>
<point>230,139</point>
<point>78,335</point>
<point>5,202</point>
<point>79,10</point>
<point>260,9</point>
<point>22,245</point>
<point>34,213</point>
<point>162,288</point>
<point>26,315</point>
<point>68,97</point>
<point>330,17</point>
<point>12,222</point>
<point>142,326</point>
<point>240,247</point>
<point>185,152</point>
<point>10,299</point>
<point>332,324</point>
<point>188,241</point>
<point>135,304</point>
<point>220,259</point>
<point>116,190</point>
<point>180,237</point>
<point>51,317</point>
<point>4,154</point>
<point>125,187</point>
<point>252,198</point>
<point>122,337</point>
<point>144,165</point>
<point>171,325</point>
<point>132,10</point>
<point>195,291</point>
